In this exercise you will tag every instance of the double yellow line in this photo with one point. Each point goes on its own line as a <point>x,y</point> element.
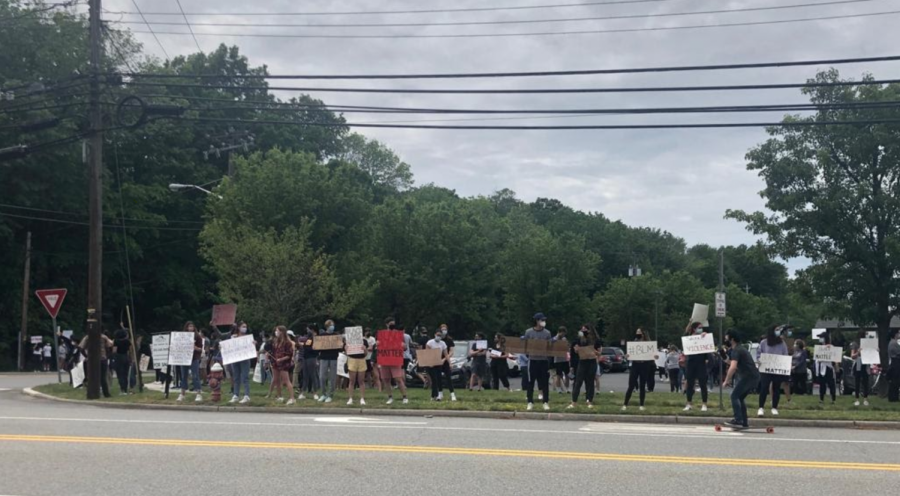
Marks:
<point>434,450</point>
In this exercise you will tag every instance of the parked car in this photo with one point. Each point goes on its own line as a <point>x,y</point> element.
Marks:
<point>613,359</point>
<point>458,371</point>
<point>462,350</point>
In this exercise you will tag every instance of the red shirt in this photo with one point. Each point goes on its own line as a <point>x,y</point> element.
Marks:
<point>283,355</point>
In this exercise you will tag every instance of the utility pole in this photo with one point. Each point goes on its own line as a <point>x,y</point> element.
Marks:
<point>23,331</point>
<point>95,240</point>
<point>721,336</point>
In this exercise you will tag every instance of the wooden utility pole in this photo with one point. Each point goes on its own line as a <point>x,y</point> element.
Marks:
<point>95,242</point>
<point>26,284</point>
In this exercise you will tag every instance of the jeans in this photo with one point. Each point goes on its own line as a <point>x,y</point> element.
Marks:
<point>862,382</point>
<point>584,374</point>
<point>499,373</point>
<point>638,378</point>
<point>310,376</point>
<point>194,370</point>
<point>241,372</point>
<point>674,380</point>
<point>327,376</point>
<point>104,377</point>
<point>122,372</point>
<point>696,372</point>
<point>739,394</point>
<point>447,373</point>
<point>764,381</point>
<point>538,373</point>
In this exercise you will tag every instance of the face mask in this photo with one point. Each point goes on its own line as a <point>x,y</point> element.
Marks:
<point>580,334</point>
<point>639,336</point>
<point>443,332</point>
<point>243,330</point>
<point>698,330</point>
<point>777,334</point>
<point>542,323</point>
<point>330,329</point>
<point>437,338</point>
<point>391,327</point>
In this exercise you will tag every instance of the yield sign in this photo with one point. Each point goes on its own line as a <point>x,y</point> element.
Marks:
<point>52,299</point>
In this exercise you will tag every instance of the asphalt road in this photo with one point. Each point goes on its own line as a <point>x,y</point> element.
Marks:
<point>49,448</point>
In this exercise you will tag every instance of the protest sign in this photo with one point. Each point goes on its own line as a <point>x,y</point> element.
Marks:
<point>37,339</point>
<point>558,349</point>
<point>223,315</point>
<point>429,358</point>
<point>68,333</point>
<point>828,353</point>
<point>642,351</point>
<point>587,352</point>
<point>700,314</point>
<point>342,365</point>
<point>481,344</point>
<point>390,348</point>
<point>237,349</point>
<point>496,354</point>
<point>145,363</point>
<point>181,348</point>
<point>870,357</point>
<point>77,374</point>
<point>775,364</point>
<point>159,350</point>
<point>868,344</point>
<point>661,361</point>
<point>515,345</point>
<point>328,342</point>
<point>698,344</point>
<point>353,336</point>
<point>818,332</point>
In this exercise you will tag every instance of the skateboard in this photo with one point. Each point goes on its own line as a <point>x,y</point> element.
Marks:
<point>767,430</point>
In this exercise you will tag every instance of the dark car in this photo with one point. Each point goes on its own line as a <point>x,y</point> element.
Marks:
<point>458,373</point>
<point>613,360</point>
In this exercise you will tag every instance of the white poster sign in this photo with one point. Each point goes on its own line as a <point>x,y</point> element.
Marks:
<point>828,353</point>
<point>68,333</point>
<point>159,349</point>
<point>353,336</point>
<point>775,364</point>
<point>700,314</point>
<point>661,361</point>
<point>342,366</point>
<point>868,344</point>
<point>642,351</point>
<point>698,344</point>
<point>181,348</point>
<point>818,332</point>
<point>78,374</point>
<point>870,357</point>
<point>145,363</point>
<point>481,344</point>
<point>237,349</point>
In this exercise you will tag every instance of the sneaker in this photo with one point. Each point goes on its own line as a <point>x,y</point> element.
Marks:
<point>290,402</point>
<point>703,408</point>
<point>328,399</point>
<point>405,401</point>
<point>733,423</point>
<point>350,401</point>
<point>362,402</point>
<point>316,397</point>
<point>775,412</point>
<point>571,406</point>
<point>856,403</point>
<point>390,400</point>
<point>199,398</point>
<point>301,397</point>
<point>234,399</point>
<point>687,408</point>
<point>245,400</point>
<point>440,396</point>
<point>866,403</point>
<point>761,412</point>
<point>180,398</point>
<point>546,406</point>
<point>530,407</point>
<point>452,396</point>
<point>279,400</point>
<point>540,396</point>
<point>641,408</point>
<point>624,408</point>
<point>590,405</point>
<point>320,399</point>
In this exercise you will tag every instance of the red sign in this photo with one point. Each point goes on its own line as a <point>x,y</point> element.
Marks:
<point>223,315</point>
<point>390,348</point>
<point>52,299</point>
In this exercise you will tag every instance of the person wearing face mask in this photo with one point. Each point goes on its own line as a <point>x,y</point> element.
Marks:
<point>309,382</point>
<point>695,370</point>
<point>746,375</point>
<point>538,364</point>
<point>435,372</point>
<point>894,368</point>
<point>639,374</point>
<point>799,360</point>
<point>280,357</point>
<point>241,370</point>
<point>860,370</point>
<point>499,365</point>
<point>773,344</point>
<point>825,373</point>
<point>328,366</point>
<point>446,371</point>
<point>398,374</point>
<point>674,369</point>
<point>585,368</point>
<point>479,364</point>
<point>561,364</point>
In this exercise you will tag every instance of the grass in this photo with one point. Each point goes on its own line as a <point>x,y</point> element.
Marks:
<point>657,403</point>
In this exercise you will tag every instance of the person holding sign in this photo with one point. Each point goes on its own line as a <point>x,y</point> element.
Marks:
<point>240,370</point>
<point>435,371</point>
<point>479,362</point>
<point>538,363</point>
<point>860,370</point>
<point>499,365</point>
<point>640,373</point>
<point>281,358</point>
<point>447,371</point>
<point>561,363</point>
<point>356,366</point>
<point>695,370</point>
<point>585,352</point>
<point>310,372</point>
<point>825,372</point>
<point>744,371</point>
<point>773,345</point>
<point>327,366</point>
<point>798,367</point>
<point>894,368</point>
<point>394,370</point>
<point>194,368</point>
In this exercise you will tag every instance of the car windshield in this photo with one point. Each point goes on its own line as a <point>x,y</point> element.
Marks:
<point>461,349</point>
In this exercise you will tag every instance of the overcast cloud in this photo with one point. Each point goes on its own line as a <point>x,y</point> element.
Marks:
<point>678,180</point>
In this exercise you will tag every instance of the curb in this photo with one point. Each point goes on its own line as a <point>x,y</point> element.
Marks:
<point>585,417</point>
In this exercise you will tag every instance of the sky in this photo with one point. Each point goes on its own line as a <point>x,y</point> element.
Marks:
<point>681,181</point>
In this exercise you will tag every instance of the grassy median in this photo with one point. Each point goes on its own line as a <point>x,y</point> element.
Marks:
<point>657,403</point>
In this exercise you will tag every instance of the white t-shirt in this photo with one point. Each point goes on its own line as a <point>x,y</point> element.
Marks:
<point>48,351</point>
<point>436,345</point>
<point>407,340</point>
<point>371,340</point>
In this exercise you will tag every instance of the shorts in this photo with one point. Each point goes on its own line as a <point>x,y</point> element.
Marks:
<point>395,372</point>
<point>479,369</point>
<point>356,364</point>
<point>562,368</point>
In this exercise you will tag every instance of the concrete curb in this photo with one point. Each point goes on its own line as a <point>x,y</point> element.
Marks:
<point>584,417</point>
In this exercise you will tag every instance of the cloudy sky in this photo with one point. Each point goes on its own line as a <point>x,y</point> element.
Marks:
<point>678,180</point>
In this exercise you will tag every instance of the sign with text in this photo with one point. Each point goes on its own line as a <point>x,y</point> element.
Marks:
<point>328,342</point>
<point>481,344</point>
<point>52,300</point>
<point>390,348</point>
<point>698,344</point>
<point>700,314</point>
<point>354,339</point>
<point>159,350</point>
<point>828,353</point>
<point>587,352</point>
<point>720,305</point>
<point>237,349</point>
<point>37,339</point>
<point>496,354</point>
<point>429,358</point>
<point>223,315</point>
<point>181,348</point>
<point>342,366</point>
<point>515,345</point>
<point>145,363</point>
<point>642,351</point>
<point>775,364</point>
<point>870,357</point>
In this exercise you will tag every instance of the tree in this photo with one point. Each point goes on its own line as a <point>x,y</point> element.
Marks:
<point>834,193</point>
<point>378,161</point>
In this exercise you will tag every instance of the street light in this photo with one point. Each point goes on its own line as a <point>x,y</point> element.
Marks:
<point>180,187</point>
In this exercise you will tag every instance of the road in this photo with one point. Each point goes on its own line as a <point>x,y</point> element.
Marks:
<point>49,448</point>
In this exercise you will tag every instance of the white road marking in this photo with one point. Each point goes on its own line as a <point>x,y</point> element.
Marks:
<point>5,389</point>
<point>767,438</point>
<point>687,430</point>
<point>361,420</point>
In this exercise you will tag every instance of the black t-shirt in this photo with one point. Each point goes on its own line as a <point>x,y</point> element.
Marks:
<point>746,369</point>
<point>449,342</point>
<point>122,346</point>
<point>478,359</point>
<point>422,341</point>
<point>308,351</point>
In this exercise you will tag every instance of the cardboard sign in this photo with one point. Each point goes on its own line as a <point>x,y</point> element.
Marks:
<point>870,357</point>
<point>237,349</point>
<point>828,353</point>
<point>587,352</point>
<point>429,358</point>
<point>159,350</point>
<point>342,365</point>
<point>558,349</point>
<point>328,342</point>
<point>145,363</point>
<point>775,364</point>
<point>700,314</point>
<point>698,344</point>
<point>353,336</point>
<point>642,351</point>
<point>223,315</point>
<point>37,339</point>
<point>481,344</point>
<point>390,348</point>
<point>181,348</point>
<point>515,345</point>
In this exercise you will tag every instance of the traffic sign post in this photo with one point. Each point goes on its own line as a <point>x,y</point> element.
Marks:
<point>720,305</point>
<point>52,299</point>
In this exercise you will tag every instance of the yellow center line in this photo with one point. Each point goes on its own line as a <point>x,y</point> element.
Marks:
<point>434,450</point>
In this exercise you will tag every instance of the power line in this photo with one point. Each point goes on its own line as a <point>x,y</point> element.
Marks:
<point>520,91</point>
<point>587,72</point>
<point>62,221</point>
<point>189,26</point>
<point>150,28</point>
<point>77,214</point>
<point>545,33</point>
<point>503,22</point>
<point>424,11</point>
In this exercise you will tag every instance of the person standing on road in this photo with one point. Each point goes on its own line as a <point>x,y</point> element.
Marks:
<point>241,370</point>
<point>585,368</point>
<point>825,372</point>
<point>538,364</point>
<point>747,377</point>
<point>435,372</point>
<point>479,363</point>
<point>356,367</point>
<point>281,358</point>
<point>674,369</point>
<point>894,368</point>
<point>799,360</point>
<point>639,374</point>
<point>773,344</point>
<point>561,364</point>
<point>328,366</point>
<point>696,370</point>
<point>860,371</point>
<point>499,364</point>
